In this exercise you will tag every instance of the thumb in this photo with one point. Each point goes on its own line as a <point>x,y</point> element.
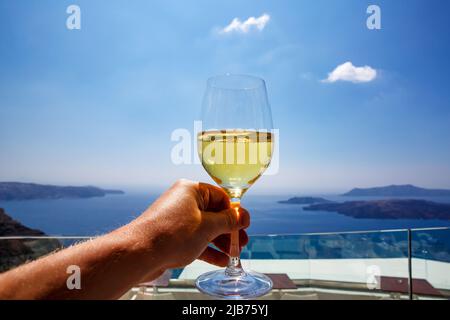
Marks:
<point>225,221</point>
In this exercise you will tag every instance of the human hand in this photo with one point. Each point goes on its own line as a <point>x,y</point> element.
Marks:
<point>172,233</point>
<point>186,218</point>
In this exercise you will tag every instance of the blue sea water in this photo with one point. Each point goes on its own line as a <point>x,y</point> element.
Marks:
<point>85,217</point>
<point>89,217</point>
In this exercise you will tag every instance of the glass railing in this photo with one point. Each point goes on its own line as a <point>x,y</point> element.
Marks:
<point>430,264</point>
<point>393,264</point>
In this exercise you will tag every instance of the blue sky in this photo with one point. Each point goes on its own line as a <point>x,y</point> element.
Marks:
<point>98,105</point>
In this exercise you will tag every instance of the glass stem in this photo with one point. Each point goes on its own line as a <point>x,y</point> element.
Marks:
<point>234,268</point>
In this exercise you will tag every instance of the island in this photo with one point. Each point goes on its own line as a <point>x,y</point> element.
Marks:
<point>31,191</point>
<point>15,251</point>
<point>398,191</point>
<point>387,209</point>
<point>305,200</point>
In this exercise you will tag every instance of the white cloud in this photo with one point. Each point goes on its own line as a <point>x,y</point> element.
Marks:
<point>348,72</point>
<point>244,27</point>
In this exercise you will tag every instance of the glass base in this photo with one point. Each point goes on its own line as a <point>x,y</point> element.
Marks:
<point>247,285</point>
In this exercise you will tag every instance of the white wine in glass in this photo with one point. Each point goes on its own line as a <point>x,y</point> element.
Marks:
<point>235,159</point>
<point>235,149</point>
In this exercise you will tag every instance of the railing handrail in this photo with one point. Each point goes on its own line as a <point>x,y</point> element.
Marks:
<point>251,235</point>
<point>350,232</point>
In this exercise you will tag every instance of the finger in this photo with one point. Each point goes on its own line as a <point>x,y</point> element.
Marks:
<point>223,241</point>
<point>244,218</point>
<point>215,257</point>
<point>225,221</point>
<point>212,198</point>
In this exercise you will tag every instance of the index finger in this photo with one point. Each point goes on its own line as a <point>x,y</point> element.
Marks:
<point>212,198</point>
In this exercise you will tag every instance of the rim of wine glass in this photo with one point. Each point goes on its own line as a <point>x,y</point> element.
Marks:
<point>260,82</point>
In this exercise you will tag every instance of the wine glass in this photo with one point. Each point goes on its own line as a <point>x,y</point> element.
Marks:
<point>235,148</point>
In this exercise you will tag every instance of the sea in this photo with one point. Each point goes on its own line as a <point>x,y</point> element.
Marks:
<point>95,216</point>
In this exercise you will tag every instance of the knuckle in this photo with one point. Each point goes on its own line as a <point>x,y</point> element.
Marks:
<point>182,182</point>
<point>231,219</point>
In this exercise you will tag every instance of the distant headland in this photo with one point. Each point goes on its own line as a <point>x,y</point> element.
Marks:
<point>14,252</point>
<point>387,209</point>
<point>10,227</point>
<point>30,191</point>
<point>398,191</point>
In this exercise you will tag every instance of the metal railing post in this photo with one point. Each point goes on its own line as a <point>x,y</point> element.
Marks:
<point>410,276</point>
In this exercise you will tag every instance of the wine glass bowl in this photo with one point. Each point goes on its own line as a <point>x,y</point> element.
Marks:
<point>235,148</point>
<point>235,159</point>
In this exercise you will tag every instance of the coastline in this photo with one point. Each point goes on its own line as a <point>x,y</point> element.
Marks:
<point>93,216</point>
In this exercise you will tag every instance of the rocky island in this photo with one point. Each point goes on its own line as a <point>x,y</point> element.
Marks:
<point>14,252</point>
<point>305,200</point>
<point>387,209</point>
<point>31,191</point>
<point>398,191</point>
